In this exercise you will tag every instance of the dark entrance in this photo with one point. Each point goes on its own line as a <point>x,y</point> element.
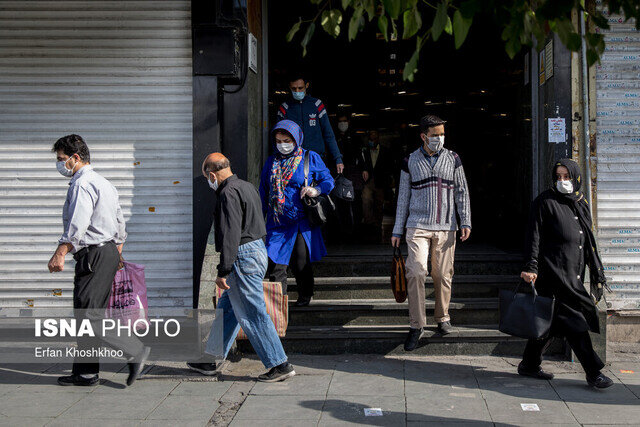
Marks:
<point>477,89</point>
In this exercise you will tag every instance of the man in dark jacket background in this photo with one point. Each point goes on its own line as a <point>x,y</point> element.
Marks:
<point>239,230</point>
<point>311,115</point>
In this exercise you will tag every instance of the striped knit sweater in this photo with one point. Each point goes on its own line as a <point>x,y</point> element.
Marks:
<point>429,197</point>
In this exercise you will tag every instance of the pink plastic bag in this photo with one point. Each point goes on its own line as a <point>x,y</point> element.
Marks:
<point>128,298</point>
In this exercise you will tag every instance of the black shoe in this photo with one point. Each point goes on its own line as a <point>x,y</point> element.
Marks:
<point>203,368</point>
<point>278,373</point>
<point>534,373</point>
<point>413,337</point>
<point>601,381</point>
<point>445,328</point>
<point>302,301</point>
<point>78,380</point>
<point>136,367</point>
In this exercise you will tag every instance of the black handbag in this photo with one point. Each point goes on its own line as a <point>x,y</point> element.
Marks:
<point>525,315</point>
<point>343,189</point>
<point>317,208</point>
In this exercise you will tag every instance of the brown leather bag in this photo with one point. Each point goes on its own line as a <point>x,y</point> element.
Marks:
<point>398,276</point>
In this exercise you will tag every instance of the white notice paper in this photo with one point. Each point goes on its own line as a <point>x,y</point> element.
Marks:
<point>372,412</point>
<point>557,130</point>
<point>530,407</point>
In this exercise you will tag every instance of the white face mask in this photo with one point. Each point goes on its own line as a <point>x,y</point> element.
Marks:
<point>565,187</point>
<point>435,143</point>
<point>213,185</point>
<point>343,126</point>
<point>62,168</point>
<point>286,147</point>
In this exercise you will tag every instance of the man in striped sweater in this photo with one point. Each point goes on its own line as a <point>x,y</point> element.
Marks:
<point>433,188</point>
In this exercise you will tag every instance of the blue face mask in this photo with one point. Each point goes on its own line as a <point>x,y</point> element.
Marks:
<point>298,96</point>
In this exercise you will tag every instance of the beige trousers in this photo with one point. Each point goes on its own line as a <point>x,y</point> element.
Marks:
<point>443,246</point>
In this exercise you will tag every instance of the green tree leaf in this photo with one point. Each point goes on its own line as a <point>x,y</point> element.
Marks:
<point>294,29</point>
<point>568,35</point>
<point>354,23</point>
<point>412,23</point>
<point>307,38</point>
<point>383,26</point>
<point>346,4</point>
<point>315,1</point>
<point>461,27</point>
<point>513,47</point>
<point>440,20</point>
<point>370,8</point>
<point>330,22</point>
<point>411,67</point>
<point>392,7</point>
<point>449,27</point>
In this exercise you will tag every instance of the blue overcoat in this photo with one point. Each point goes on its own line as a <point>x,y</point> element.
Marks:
<point>281,235</point>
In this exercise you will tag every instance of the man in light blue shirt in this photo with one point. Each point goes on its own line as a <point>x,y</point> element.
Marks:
<point>94,231</point>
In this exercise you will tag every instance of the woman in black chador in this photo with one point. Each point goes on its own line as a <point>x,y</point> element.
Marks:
<point>560,244</point>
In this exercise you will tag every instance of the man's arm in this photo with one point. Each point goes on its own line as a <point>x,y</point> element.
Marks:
<point>121,232</point>
<point>80,211</point>
<point>462,200</point>
<point>231,228</point>
<point>327,134</point>
<point>404,198</point>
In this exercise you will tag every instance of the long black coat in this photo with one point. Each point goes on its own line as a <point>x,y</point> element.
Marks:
<point>555,251</point>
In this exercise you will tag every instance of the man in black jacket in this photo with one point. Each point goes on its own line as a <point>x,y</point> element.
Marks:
<point>239,230</point>
<point>379,180</point>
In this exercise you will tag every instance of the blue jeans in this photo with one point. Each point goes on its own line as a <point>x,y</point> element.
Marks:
<point>243,306</point>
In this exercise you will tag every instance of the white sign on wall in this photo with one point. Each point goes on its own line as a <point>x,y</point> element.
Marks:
<point>557,130</point>
<point>253,53</point>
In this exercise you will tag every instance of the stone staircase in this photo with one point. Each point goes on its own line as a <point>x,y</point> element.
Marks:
<point>353,310</point>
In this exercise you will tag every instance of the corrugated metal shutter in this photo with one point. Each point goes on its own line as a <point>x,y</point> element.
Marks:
<point>618,161</point>
<point>119,74</point>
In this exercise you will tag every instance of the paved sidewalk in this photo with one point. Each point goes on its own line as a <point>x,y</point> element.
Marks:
<point>328,390</point>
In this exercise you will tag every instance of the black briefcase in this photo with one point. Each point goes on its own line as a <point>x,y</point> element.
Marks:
<point>525,315</point>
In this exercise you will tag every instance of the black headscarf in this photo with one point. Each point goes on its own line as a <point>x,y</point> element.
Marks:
<point>580,207</point>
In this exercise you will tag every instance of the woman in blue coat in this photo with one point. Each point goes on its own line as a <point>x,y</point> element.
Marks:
<point>291,240</point>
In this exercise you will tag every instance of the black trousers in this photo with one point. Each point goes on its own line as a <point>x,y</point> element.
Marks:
<point>300,263</point>
<point>95,269</point>
<point>580,344</point>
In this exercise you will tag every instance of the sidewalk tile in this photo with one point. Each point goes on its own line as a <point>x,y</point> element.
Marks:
<point>505,408</point>
<point>270,423</point>
<point>299,385</point>
<point>171,423</point>
<point>89,422</point>
<point>113,407</point>
<point>350,410</point>
<point>24,422</point>
<point>451,424</point>
<point>281,408</point>
<point>28,404</point>
<point>606,413</point>
<point>197,408</point>
<point>213,389</point>
<point>140,387</point>
<point>458,406</point>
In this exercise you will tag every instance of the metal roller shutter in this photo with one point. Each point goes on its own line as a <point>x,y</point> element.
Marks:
<point>119,74</point>
<point>618,162</point>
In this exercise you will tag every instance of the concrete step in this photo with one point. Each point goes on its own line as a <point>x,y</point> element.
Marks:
<point>358,265</point>
<point>377,287</point>
<point>389,339</point>
<point>360,312</point>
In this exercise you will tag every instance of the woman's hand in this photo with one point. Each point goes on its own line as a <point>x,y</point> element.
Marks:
<point>309,191</point>
<point>529,277</point>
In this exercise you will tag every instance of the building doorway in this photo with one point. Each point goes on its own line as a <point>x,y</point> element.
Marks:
<point>478,90</point>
